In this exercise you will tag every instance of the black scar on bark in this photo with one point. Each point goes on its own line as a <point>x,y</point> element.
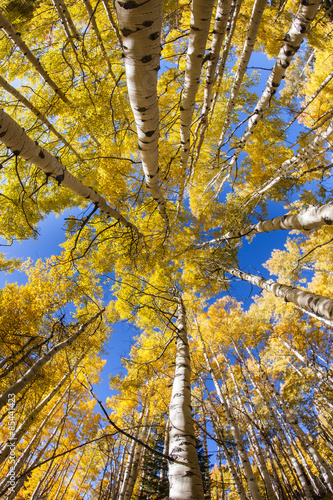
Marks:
<point>181,108</point>
<point>126,32</point>
<point>59,178</point>
<point>141,110</point>
<point>146,59</point>
<point>154,36</point>
<point>285,64</point>
<point>41,154</point>
<point>131,4</point>
<point>286,38</point>
<point>149,133</point>
<point>2,134</point>
<point>147,24</point>
<point>194,28</point>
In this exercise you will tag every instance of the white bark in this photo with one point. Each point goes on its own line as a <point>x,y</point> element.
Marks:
<point>129,463</point>
<point>325,375</point>
<point>230,29</point>
<point>223,10</point>
<point>310,100</point>
<point>221,19</point>
<point>321,306</point>
<point>201,13</point>
<point>14,92</point>
<point>15,36</point>
<point>311,218</point>
<point>30,418</point>
<point>136,459</point>
<point>303,156</point>
<point>257,12</point>
<point>14,138</point>
<point>37,366</point>
<point>93,22</point>
<point>140,24</point>
<point>184,473</point>
<point>253,440</point>
<point>324,469</point>
<point>244,459</point>
<point>68,18</point>
<point>284,441</point>
<point>111,20</point>
<point>293,39</point>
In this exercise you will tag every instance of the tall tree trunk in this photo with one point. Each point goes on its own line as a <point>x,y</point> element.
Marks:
<point>246,465</point>
<point>251,36</point>
<point>321,306</point>
<point>14,138</point>
<point>36,367</point>
<point>140,24</point>
<point>184,473</point>
<point>201,13</point>
<point>310,218</point>
<point>292,41</point>
<point>15,36</point>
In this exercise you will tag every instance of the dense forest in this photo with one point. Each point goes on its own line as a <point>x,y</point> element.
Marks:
<point>172,134</point>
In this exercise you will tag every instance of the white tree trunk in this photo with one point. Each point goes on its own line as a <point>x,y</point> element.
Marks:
<point>201,13</point>
<point>257,12</point>
<point>321,306</point>
<point>37,366</point>
<point>246,465</point>
<point>14,138</point>
<point>184,474</point>
<point>14,92</point>
<point>310,218</point>
<point>140,24</point>
<point>304,155</point>
<point>130,459</point>
<point>293,39</point>
<point>15,36</point>
<point>93,22</point>
<point>30,418</point>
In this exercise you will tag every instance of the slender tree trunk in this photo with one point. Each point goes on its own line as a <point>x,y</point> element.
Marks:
<point>321,306</point>
<point>36,367</point>
<point>251,36</point>
<point>292,41</point>
<point>201,12</point>
<point>218,429</point>
<point>257,453</point>
<point>246,465</point>
<point>140,24</point>
<point>14,138</point>
<point>184,474</point>
<point>15,36</point>
<point>311,218</point>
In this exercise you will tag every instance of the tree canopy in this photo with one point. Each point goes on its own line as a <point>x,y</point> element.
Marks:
<point>173,133</point>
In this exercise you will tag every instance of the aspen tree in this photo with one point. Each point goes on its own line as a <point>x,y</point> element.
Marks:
<point>184,473</point>
<point>140,26</point>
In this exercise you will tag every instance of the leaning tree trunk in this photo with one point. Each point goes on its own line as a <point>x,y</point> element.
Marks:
<point>312,218</point>
<point>14,138</point>
<point>184,475</point>
<point>14,92</point>
<point>292,41</point>
<point>251,36</point>
<point>322,307</point>
<point>37,366</point>
<point>15,36</point>
<point>140,23</point>
<point>323,467</point>
<point>201,13</point>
